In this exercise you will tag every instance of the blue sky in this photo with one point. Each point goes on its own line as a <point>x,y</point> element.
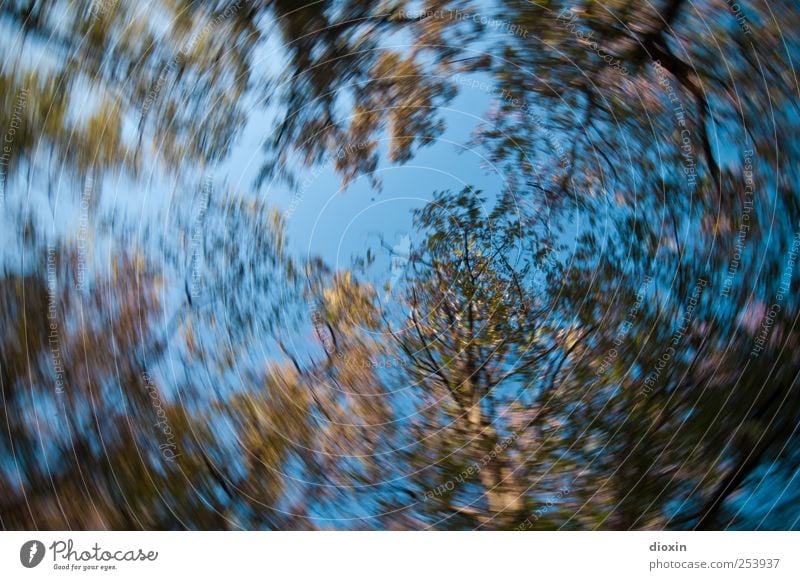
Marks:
<point>337,224</point>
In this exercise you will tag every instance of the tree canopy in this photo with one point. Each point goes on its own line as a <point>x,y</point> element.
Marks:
<point>605,340</point>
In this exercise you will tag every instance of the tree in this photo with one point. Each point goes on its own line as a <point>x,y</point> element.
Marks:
<point>181,89</point>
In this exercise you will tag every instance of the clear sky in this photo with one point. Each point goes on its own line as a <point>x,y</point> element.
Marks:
<point>337,224</point>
